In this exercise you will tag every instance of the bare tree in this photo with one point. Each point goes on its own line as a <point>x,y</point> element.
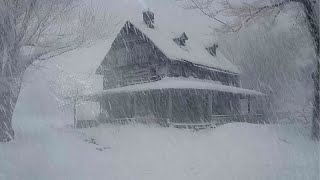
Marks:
<point>242,13</point>
<point>35,30</point>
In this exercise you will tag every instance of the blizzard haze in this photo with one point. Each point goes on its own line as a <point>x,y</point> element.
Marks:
<point>271,59</point>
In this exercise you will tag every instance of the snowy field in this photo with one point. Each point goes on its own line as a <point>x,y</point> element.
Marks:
<point>46,149</point>
<point>233,151</point>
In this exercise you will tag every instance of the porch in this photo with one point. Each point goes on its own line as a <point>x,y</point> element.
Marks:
<point>179,103</point>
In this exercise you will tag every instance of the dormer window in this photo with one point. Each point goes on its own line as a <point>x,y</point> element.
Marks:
<point>213,49</point>
<point>181,41</point>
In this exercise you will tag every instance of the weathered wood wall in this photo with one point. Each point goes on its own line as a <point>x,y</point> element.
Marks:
<point>187,69</point>
<point>186,106</point>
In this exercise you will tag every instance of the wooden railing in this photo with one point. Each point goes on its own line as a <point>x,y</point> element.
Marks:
<point>143,120</point>
<point>250,118</point>
<point>86,123</point>
<point>216,120</point>
<point>195,126</point>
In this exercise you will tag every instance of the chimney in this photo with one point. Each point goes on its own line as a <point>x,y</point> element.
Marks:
<point>213,49</point>
<point>148,18</point>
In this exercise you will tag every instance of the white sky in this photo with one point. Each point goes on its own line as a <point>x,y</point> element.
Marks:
<point>167,12</point>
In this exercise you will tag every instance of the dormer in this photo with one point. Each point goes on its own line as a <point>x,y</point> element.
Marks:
<point>213,49</point>
<point>181,41</point>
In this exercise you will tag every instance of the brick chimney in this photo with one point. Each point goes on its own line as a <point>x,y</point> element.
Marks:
<point>148,18</point>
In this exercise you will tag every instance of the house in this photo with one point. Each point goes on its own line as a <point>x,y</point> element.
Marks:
<point>151,75</point>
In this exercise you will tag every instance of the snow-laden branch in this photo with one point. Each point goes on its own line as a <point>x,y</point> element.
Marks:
<point>232,15</point>
<point>33,30</point>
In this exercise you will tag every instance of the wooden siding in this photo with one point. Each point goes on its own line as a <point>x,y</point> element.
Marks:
<point>130,48</point>
<point>130,75</point>
<point>186,69</point>
<point>134,59</point>
<point>152,71</point>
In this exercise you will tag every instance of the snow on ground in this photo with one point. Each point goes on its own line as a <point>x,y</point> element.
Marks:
<point>233,151</point>
<point>41,150</point>
<point>51,154</point>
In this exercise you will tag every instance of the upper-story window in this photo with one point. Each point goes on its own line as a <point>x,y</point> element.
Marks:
<point>153,72</point>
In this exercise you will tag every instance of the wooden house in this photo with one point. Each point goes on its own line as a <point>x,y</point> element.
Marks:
<point>151,75</point>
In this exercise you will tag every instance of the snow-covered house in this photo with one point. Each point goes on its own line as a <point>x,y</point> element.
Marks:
<point>150,74</point>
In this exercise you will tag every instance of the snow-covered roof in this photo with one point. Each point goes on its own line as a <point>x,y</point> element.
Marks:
<point>195,50</point>
<point>174,83</point>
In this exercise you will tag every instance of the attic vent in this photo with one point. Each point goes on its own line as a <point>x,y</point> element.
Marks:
<point>148,18</point>
<point>213,49</point>
<point>181,41</point>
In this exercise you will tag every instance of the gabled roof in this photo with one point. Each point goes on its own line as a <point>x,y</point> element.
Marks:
<point>194,51</point>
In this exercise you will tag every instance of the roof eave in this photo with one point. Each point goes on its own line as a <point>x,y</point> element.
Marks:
<point>208,67</point>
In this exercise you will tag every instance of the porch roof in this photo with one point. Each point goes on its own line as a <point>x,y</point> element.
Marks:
<point>174,83</point>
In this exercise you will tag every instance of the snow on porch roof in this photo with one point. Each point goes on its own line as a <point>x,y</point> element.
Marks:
<point>194,51</point>
<point>174,83</point>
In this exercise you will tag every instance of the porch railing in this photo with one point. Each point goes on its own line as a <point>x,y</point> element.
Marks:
<point>250,118</point>
<point>214,121</point>
<point>144,120</point>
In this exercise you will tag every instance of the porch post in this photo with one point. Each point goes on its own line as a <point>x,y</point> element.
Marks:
<point>158,101</point>
<point>100,107</point>
<point>231,103</point>
<point>75,113</point>
<point>100,112</point>
<point>135,104</point>
<point>169,106</point>
<point>210,105</point>
<point>75,109</point>
<point>249,104</point>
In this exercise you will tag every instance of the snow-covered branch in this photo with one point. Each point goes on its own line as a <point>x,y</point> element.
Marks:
<point>36,30</point>
<point>232,15</point>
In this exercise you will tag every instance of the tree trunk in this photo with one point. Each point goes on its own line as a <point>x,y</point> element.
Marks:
<point>312,12</point>
<point>9,93</point>
<point>316,104</point>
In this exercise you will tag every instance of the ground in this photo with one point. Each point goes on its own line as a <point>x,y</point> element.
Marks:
<point>232,151</point>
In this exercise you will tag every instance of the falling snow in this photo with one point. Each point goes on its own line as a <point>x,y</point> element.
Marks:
<point>48,83</point>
